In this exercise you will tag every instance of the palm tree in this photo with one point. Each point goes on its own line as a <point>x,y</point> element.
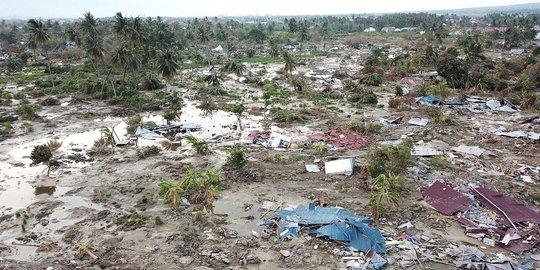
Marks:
<point>235,67</point>
<point>168,65</point>
<point>290,64</point>
<point>213,79</point>
<point>126,59</point>
<point>39,36</point>
<point>89,24</point>
<point>120,26</point>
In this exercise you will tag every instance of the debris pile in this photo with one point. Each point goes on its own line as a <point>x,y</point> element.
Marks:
<point>336,224</point>
<point>341,139</point>
<point>488,216</point>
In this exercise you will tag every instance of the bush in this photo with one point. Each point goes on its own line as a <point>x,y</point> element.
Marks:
<point>372,79</point>
<point>237,158</point>
<point>367,97</point>
<point>495,83</point>
<point>149,151</point>
<point>26,111</point>
<point>200,146</point>
<point>390,159</point>
<point>49,101</point>
<point>152,84</point>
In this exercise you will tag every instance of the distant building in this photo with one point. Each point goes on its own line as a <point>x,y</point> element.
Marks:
<point>537,29</point>
<point>518,51</point>
<point>218,50</point>
<point>388,29</point>
<point>371,29</point>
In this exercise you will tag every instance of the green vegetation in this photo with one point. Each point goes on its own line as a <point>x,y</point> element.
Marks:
<point>390,159</point>
<point>198,187</point>
<point>27,112</point>
<point>148,151</point>
<point>237,158</point>
<point>320,148</point>
<point>42,154</point>
<point>201,146</point>
<point>388,188</point>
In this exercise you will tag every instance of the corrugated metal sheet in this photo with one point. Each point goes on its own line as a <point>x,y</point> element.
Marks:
<point>445,199</point>
<point>517,212</point>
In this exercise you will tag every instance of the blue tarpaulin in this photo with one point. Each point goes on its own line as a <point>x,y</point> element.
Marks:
<point>335,223</point>
<point>429,99</point>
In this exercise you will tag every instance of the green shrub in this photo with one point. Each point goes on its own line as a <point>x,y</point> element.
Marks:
<point>200,146</point>
<point>26,111</point>
<point>49,101</point>
<point>149,151</point>
<point>390,159</point>
<point>152,84</point>
<point>372,79</point>
<point>367,97</point>
<point>237,158</point>
<point>387,189</point>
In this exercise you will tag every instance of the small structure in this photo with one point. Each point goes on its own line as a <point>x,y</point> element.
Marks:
<point>388,29</point>
<point>370,29</point>
<point>218,51</point>
<point>518,51</point>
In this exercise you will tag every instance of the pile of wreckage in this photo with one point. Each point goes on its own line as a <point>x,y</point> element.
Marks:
<point>472,103</point>
<point>488,215</point>
<point>336,138</point>
<point>337,224</point>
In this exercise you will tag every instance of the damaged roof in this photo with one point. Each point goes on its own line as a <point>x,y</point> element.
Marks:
<point>501,204</point>
<point>445,199</point>
<point>337,224</point>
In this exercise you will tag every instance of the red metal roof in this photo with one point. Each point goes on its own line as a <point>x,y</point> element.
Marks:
<point>517,212</point>
<point>445,199</point>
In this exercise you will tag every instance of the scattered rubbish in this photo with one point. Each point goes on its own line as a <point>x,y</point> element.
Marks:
<point>312,168</point>
<point>525,179</point>
<point>176,129</point>
<point>337,224</point>
<point>339,138</point>
<point>506,207</point>
<point>445,199</point>
<point>425,151</point>
<point>278,140</point>
<point>319,202</point>
<point>418,121</point>
<point>397,121</point>
<point>269,139</point>
<point>517,134</point>
<point>470,150</point>
<point>147,134</point>
<point>406,225</point>
<point>285,253</point>
<point>430,100</point>
<point>498,106</point>
<point>340,166</point>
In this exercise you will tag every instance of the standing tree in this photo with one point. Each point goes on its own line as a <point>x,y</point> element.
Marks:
<point>168,65</point>
<point>290,64</point>
<point>238,109</point>
<point>39,36</point>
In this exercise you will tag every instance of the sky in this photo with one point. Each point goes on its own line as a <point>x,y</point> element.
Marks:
<point>200,8</point>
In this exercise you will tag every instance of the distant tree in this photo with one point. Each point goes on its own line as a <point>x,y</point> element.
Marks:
<point>257,35</point>
<point>168,65</point>
<point>38,35</point>
<point>293,25</point>
<point>290,64</point>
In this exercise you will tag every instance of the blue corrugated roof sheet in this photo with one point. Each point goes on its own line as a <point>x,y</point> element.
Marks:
<point>335,223</point>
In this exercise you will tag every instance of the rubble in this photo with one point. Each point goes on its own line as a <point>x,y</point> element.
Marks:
<point>341,139</point>
<point>336,224</point>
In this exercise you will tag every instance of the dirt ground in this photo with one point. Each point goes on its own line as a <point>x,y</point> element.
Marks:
<point>110,200</point>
